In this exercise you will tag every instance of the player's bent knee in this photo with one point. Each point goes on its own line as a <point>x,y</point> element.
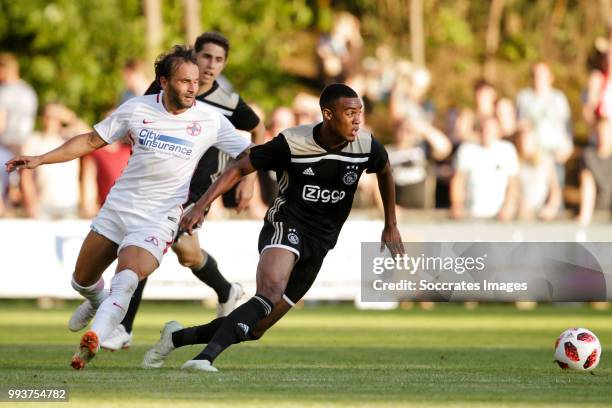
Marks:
<point>84,277</point>
<point>141,273</point>
<point>190,259</point>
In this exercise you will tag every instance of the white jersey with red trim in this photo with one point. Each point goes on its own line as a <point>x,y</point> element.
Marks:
<point>166,149</point>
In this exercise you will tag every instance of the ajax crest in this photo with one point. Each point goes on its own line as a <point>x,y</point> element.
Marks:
<point>350,177</point>
<point>293,237</point>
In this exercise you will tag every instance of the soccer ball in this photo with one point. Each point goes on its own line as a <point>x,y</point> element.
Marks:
<point>578,349</point>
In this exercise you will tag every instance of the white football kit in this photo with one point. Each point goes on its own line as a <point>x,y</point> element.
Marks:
<point>144,206</point>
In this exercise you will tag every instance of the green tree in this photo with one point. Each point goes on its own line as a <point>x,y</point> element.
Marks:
<point>73,52</point>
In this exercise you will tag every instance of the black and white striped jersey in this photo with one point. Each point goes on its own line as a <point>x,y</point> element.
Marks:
<point>316,185</point>
<point>213,162</point>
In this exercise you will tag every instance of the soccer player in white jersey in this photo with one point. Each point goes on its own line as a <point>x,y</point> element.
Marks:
<point>170,131</point>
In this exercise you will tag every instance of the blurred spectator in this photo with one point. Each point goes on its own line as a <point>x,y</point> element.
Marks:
<point>408,96</point>
<point>416,143</point>
<point>386,63</point>
<point>598,101</point>
<point>306,109</point>
<point>135,81</point>
<point>540,194</point>
<point>281,118</point>
<point>547,111</point>
<point>18,104</point>
<point>100,169</point>
<point>505,112</point>
<point>464,128</point>
<point>485,97</point>
<point>52,191</point>
<point>262,195</point>
<point>5,155</point>
<point>359,83</point>
<point>378,75</point>
<point>485,182</point>
<point>340,51</point>
<point>595,180</point>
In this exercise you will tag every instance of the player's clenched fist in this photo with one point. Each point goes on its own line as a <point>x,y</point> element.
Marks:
<point>23,162</point>
<point>192,219</point>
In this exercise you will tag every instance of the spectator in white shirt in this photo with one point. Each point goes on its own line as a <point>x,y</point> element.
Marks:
<point>485,181</point>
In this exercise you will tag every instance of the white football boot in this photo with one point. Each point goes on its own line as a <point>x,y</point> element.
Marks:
<point>81,316</point>
<point>117,340</point>
<point>155,357</point>
<point>199,365</point>
<point>236,293</point>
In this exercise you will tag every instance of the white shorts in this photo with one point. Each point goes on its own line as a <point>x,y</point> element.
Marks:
<point>128,229</point>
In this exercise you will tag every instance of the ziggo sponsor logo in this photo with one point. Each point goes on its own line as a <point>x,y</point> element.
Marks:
<point>316,193</point>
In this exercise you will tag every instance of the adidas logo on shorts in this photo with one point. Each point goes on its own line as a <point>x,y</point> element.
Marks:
<point>308,172</point>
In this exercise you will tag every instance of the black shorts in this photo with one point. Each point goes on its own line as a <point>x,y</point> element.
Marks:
<point>309,252</point>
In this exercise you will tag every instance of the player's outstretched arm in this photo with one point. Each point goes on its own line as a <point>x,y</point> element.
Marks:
<point>76,147</point>
<point>226,181</point>
<point>390,236</point>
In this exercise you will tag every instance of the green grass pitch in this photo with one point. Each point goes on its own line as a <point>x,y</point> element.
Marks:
<point>326,356</point>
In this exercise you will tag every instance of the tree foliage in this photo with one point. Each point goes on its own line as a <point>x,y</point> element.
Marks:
<point>73,50</point>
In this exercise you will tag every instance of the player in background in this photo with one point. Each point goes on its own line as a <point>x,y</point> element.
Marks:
<point>140,218</point>
<point>318,168</point>
<point>212,51</point>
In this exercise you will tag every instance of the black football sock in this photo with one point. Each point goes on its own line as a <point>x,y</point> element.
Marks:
<point>236,327</point>
<point>196,334</point>
<point>210,275</point>
<point>128,320</point>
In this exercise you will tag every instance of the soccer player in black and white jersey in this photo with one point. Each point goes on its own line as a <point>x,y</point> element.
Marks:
<point>318,168</point>
<point>212,50</point>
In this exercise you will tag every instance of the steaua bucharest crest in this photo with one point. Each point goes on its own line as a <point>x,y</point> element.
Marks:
<point>194,129</point>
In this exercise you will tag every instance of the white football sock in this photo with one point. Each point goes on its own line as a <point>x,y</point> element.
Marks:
<point>94,293</point>
<point>113,309</point>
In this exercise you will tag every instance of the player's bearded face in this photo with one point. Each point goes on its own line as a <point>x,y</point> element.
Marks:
<point>183,86</point>
<point>346,118</point>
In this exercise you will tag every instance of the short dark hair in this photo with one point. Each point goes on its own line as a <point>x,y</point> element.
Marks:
<point>166,64</point>
<point>212,37</point>
<point>482,83</point>
<point>333,92</point>
<point>132,64</point>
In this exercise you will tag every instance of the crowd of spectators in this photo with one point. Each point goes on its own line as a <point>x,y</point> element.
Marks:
<point>503,158</point>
